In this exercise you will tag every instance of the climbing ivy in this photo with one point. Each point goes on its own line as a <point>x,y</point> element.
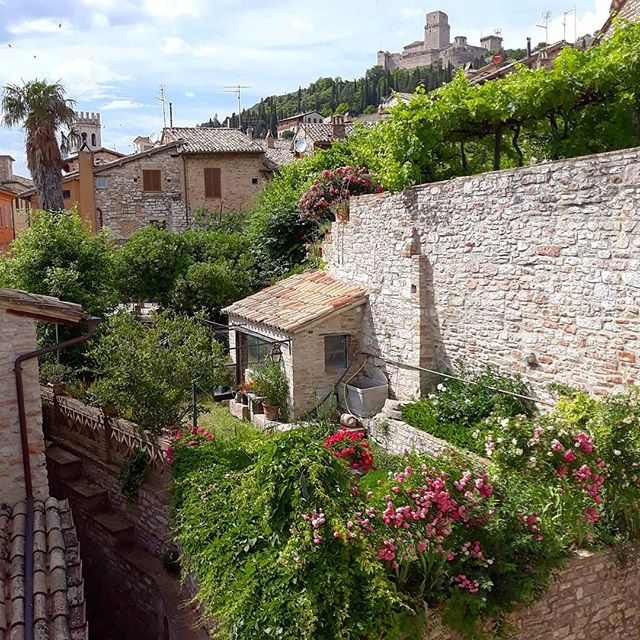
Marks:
<point>133,472</point>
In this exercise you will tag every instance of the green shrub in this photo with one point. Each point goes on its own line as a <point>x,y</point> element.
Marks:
<point>244,534</point>
<point>271,384</point>
<point>133,472</point>
<point>455,410</point>
<point>147,372</point>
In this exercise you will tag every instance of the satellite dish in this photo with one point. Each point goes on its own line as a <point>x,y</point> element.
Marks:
<point>300,146</point>
<point>154,138</point>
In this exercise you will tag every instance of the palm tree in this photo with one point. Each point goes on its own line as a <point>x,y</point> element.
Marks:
<point>42,110</point>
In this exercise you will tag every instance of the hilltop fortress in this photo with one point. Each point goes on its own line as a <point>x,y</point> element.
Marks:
<point>437,46</point>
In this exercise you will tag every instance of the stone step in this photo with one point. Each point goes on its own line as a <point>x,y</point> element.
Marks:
<point>88,496</point>
<point>115,526</point>
<point>63,464</point>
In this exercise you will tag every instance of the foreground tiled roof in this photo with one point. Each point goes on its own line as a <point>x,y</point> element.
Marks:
<point>211,140</point>
<point>297,301</point>
<point>58,589</point>
<point>39,306</point>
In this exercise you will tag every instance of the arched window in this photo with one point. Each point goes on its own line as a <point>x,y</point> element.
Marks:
<point>93,139</point>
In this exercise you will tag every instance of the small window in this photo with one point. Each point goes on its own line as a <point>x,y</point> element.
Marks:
<point>84,138</point>
<point>151,180</point>
<point>66,194</point>
<point>212,183</point>
<point>101,183</point>
<point>335,352</point>
<point>93,139</point>
<point>254,180</point>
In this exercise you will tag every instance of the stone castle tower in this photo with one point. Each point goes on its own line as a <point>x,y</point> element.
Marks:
<point>437,32</point>
<point>436,47</point>
<point>87,126</point>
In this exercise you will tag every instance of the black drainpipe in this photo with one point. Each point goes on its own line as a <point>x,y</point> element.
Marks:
<point>92,322</point>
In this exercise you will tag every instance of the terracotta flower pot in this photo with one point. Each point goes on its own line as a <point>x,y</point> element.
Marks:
<point>270,411</point>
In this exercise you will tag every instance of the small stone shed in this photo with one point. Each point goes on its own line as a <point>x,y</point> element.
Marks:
<point>317,322</point>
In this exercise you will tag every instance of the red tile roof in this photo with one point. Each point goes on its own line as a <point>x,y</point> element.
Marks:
<point>297,301</point>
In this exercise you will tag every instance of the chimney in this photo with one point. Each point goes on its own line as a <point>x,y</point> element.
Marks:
<point>528,47</point>
<point>338,129</point>
<point>6,168</point>
<point>269,138</point>
<point>86,188</point>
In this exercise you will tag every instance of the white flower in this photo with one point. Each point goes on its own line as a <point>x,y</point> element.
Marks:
<point>617,452</point>
<point>519,452</point>
<point>441,387</point>
<point>504,423</point>
<point>476,433</point>
<point>514,442</point>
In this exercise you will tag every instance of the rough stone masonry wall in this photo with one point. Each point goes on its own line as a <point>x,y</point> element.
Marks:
<point>83,431</point>
<point>237,172</point>
<point>597,597</point>
<point>126,207</point>
<point>533,270</point>
<point>17,336</point>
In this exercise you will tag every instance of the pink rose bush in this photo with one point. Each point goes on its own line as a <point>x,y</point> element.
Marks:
<point>189,436</point>
<point>333,187</point>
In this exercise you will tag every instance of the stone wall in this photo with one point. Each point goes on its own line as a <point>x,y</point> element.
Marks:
<point>237,172</point>
<point>597,597</point>
<point>18,336</point>
<point>103,444</point>
<point>532,270</point>
<point>123,205</point>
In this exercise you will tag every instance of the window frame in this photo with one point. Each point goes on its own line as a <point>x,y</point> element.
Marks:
<point>148,185</point>
<point>212,177</point>
<point>98,184</point>
<point>331,360</point>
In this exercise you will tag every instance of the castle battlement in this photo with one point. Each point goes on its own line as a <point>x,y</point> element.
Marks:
<point>436,46</point>
<point>87,117</point>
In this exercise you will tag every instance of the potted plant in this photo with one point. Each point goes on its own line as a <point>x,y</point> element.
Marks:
<point>272,386</point>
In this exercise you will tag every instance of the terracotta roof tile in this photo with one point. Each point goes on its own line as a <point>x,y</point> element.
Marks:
<point>211,140</point>
<point>297,301</point>
<point>56,605</point>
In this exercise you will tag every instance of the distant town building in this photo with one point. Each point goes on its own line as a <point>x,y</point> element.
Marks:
<point>437,46</point>
<point>143,143</point>
<point>292,123</point>
<point>13,210</point>
<point>322,135</point>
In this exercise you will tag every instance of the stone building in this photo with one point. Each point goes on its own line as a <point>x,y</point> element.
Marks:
<point>14,215</point>
<point>293,122</point>
<point>323,135</point>
<point>88,131</point>
<point>41,582</point>
<point>317,321</point>
<point>219,169</point>
<point>623,9</point>
<point>436,46</point>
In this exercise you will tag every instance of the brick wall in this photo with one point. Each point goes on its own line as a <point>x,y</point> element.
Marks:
<point>237,172</point>
<point>103,444</point>
<point>533,270</point>
<point>597,597</point>
<point>125,207</point>
<point>17,336</point>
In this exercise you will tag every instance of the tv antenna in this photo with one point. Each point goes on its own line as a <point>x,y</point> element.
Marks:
<point>497,32</point>
<point>546,19</point>
<point>575,24</point>
<point>237,89</point>
<point>161,98</point>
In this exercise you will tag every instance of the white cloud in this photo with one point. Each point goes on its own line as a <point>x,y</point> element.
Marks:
<point>410,12</point>
<point>170,9</point>
<point>88,80</point>
<point>189,94</point>
<point>41,25</point>
<point>99,20</point>
<point>174,45</point>
<point>122,104</point>
<point>300,24</point>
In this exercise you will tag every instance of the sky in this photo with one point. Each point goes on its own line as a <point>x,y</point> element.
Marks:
<point>113,55</point>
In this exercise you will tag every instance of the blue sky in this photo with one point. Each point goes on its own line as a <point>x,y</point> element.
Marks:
<point>112,55</point>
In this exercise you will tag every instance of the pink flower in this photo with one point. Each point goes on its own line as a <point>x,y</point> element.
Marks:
<point>169,455</point>
<point>556,446</point>
<point>569,456</point>
<point>592,515</point>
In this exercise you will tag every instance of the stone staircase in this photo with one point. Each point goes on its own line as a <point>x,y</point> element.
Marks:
<point>111,529</point>
<point>66,468</point>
